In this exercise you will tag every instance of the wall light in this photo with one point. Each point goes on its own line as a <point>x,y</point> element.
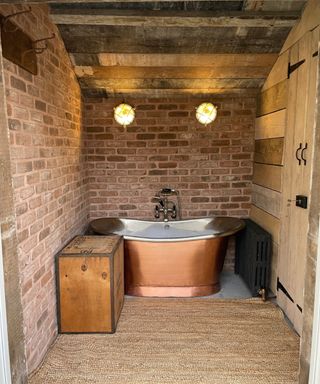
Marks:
<point>124,114</point>
<point>206,113</point>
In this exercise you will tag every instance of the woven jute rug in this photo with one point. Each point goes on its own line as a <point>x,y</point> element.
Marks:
<point>180,341</point>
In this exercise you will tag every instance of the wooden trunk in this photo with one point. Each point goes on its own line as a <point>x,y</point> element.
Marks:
<point>90,284</point>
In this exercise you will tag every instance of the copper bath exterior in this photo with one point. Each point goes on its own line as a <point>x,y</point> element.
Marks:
<point>178,258</point>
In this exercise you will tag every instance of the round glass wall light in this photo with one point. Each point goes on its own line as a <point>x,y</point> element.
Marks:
<point>206,113</point>
<point>124,114</point>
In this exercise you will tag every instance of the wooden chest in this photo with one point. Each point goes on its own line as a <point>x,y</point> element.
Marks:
<point>90,284</point>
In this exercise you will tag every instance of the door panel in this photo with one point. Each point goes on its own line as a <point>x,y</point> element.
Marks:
<point>296,179</point>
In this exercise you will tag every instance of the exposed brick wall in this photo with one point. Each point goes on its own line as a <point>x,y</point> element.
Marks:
<point>210,166</point>
<point>44,114</point>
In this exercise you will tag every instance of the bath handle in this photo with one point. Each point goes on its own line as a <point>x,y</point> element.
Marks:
<point>174,212</point>
<point>156,212</point>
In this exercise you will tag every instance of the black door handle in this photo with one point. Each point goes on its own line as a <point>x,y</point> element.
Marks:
<point>302,153</point>
<point>297,153</point>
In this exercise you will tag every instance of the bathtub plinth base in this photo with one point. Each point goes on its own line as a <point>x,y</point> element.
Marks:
<point>205,290</point>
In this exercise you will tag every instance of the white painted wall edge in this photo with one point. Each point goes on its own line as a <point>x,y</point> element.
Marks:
<point>314,375</point>
<point>5,374</point>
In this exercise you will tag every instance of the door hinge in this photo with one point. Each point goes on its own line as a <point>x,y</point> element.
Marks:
<point>293,67</point>
<point>316,53</point>
<point>282,288</point>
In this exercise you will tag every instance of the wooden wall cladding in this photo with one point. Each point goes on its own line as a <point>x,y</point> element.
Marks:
<point>269,176</point>
<point>269,151</point>
<point>274,267</point>
<point>279,71</point>
<point>268,222</point>
<point>17,46</point>
<point>273,99</point>
<point>266,199</point>
<point>271,125</point>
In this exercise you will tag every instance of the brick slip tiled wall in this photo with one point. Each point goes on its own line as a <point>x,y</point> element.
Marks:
<point>44,114</point>
<point>210,166</point>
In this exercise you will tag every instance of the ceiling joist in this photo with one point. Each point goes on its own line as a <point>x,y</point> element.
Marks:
<point>172,72</point>
<point>175,19</point>
<point>148,48</point>
<point>190,60</point>
<point>168,92</point>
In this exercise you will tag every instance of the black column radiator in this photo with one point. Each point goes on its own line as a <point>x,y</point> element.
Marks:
<point>253,257</point>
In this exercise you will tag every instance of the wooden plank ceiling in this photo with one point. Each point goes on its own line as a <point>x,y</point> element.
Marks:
<point>159,48</point>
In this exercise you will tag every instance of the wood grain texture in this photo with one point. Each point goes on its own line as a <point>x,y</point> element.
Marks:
<point>310,20</point>
<point>274,267</point>
<point>159,93</point>
<point>17,46</point>
<point>85,301</point>
<point>266,199</point>
<point>129,39</point>
<point>273,99</point>
<point>88,245</point>
<point>266,221</point>
<point>173,19</point>
<point>189,60</point>
<point>182,72</point>
<point>145,83</point>
<point>268,176</point>
<point>291,309</point>
<point>271,125</point>
<point>269,151</point>
<point>279,71</point>
<point>91,284</point>
<point>118,283</point>
<point>295,221</point>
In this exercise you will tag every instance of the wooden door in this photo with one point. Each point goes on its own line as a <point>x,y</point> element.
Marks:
<point>296,181</point>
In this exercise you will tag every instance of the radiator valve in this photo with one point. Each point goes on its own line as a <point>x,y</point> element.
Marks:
<point>263,293</point>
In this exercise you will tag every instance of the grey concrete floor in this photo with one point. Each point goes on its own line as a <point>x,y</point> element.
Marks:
<point>232,287</point>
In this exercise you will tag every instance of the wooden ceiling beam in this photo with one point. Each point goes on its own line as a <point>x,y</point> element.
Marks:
<point>105,73</point>
<point>168,19</point>
<point>274,5</point>
<point>102,1</point>
<point>177,60</point>
<point>115,84</point>
<point>95,39</point>
<point>204,92</point>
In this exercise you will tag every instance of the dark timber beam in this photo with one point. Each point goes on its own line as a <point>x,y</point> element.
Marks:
<point>95,39</point>
<point>170,19</point>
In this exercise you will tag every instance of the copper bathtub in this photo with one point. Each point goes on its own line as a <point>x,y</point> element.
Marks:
<point>173,259</point>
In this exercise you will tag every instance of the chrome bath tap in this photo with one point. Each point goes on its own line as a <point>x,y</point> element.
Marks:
<point>165,206</point>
